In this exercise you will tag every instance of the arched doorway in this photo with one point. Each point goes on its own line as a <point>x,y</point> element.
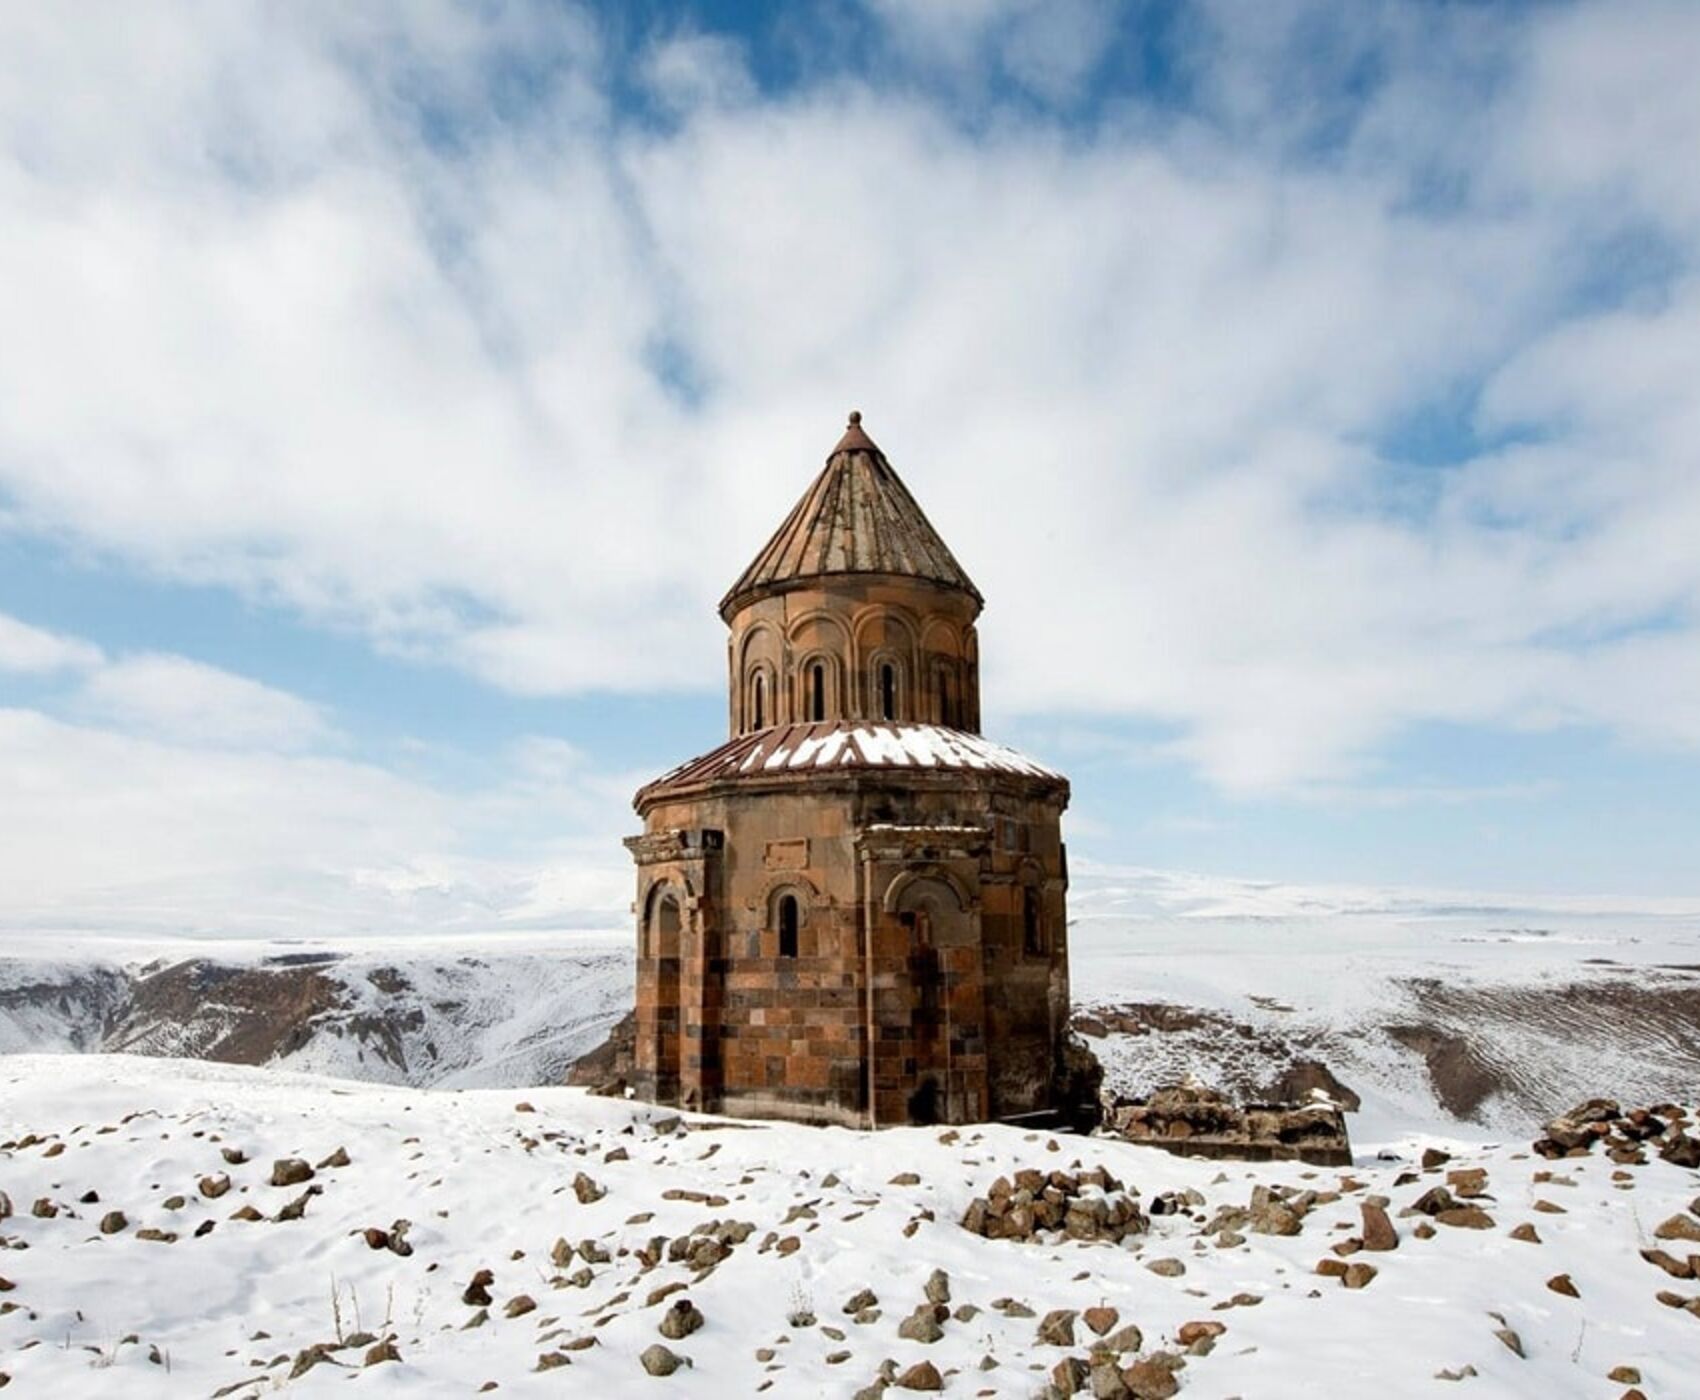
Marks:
<point>663,934</point>
<point>941,953</point>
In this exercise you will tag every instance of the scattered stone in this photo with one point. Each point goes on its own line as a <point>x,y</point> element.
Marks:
<point>1678,1227</point>
<point>1676,1268</point>
<point>519,1305</point>
<point>1549,1208</point>
<point>1466,1218</point>
<point>905,1179</point>
<point>1153,1378</point>
<point>1468,1182</point>
<point>861,1301</point>
<point>1124,1339</point>
<point>1434,1158</point>
<point>214,1186</point>
<point>1056,1329</point>
<point>247,1212</point>
<point>1511,1341</point>
<point>1358,1275</point>
<point>1167,1268</point>
<point>680,1320</point>
<point>382,1352</point>
<point>588,1191</point>
<point>1624,1375</point>
<point>297,1208</point>
<point>1100,1320</point>
<point>477,1294</point>
<point>1378,1232</point>
<point>1462,1373</point>
<point>291,1171</point>
<point>922,1325</point>
<point>1191,1332</point>
<point>1561,1283</point>
<point>233,1156</point>
<point>44,1209</point>
<point>339,1158</point>
<point>1331,1268</point>
<point>1526,1233</point>
<point>937,1287</point>
<point>659,1361</point>
<point>113,1222</point>
<point>923,1375</point>
<point>1069,1376</point>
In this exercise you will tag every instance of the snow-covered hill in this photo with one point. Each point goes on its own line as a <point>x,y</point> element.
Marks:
<point>1430,1014</point>
<point>593,1221</point>
<point>453,1012</point>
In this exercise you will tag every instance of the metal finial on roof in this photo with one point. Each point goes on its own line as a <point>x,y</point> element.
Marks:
<point>855,418</point>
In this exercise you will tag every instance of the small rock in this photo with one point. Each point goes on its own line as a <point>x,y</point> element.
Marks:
<point>477,1294</point>
<point>1069,1375</point>
<point>905,1179</point>
<point>1378,1232</point>
<point>1152,1378</point>
<point>1468,1182</point>
<point>1124,1339</point>
<point>1056,1328</point>
<point>291,1171</point>
<point>922,1325</point>
<point>339,1158</point>
<point>659,1361</point>
<point>1465,1218</point>
<point>1358,1275</point>
<point>1512,1342</point>
<point>113,1222</point>
<point>1678,1227</point>
<point>382,1352</point>
<point>1526,1233</point>
<point>233,1156</point>
<point>588,1191</point>
<point>1624,1375</point>
<point>1191,1332</point>
<point>1100,1320</point>
<point>923,1375</point>
<point>1167,1268</point>
<point>1433,1158</point>
<point>1561,1283</point>
<point>519,1305</point>
<point>214,1186</point>
<point>938,1287</point>
<point>861,1300</point>
<point>680,1320</point>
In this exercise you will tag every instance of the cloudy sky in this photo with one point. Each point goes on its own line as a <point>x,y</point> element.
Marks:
<point>389,392</point>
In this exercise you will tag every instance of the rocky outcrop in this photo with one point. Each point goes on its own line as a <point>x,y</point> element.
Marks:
<point>1088,1205</point>
<point>1626,1136</point>
<point>1195,1121</point>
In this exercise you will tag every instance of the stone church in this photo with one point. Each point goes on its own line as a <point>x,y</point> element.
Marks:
<point>853,911</point>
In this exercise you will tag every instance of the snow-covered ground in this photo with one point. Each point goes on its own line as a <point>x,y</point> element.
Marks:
<point>487,1182</point>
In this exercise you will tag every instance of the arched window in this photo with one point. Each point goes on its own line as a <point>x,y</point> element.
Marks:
<point>788,926</point>
<point>947,710</point>
<point>758,705</point>
<point>1032,923</point>
<point>888,691</point>
<point>817,691</point>
<point>664,924</point>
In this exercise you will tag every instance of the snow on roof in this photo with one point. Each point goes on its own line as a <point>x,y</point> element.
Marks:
<point>847,745</point>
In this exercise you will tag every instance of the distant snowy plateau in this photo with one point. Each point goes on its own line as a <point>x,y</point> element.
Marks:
<point>456,1224</point>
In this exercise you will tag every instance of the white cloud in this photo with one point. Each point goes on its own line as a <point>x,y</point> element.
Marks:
<point>32,651</point>
<point>524,392</point>
<point>174,698</point>
<point>110,832</point>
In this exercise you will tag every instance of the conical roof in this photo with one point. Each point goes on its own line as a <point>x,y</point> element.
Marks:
<point>857,518</point>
